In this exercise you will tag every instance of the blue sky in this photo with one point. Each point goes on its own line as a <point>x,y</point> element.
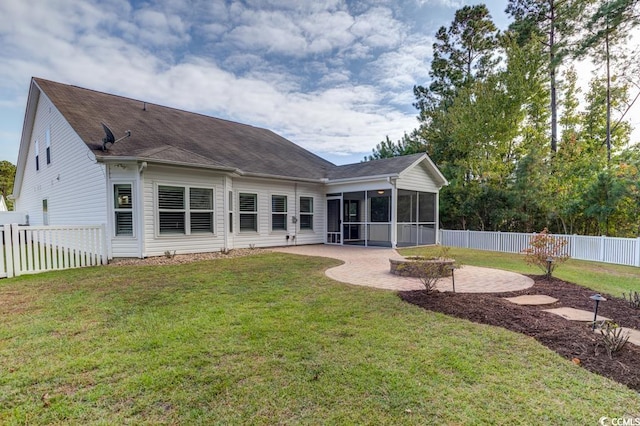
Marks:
<point>335,77</point>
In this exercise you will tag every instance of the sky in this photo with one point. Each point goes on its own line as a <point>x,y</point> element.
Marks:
<point>333,76</point>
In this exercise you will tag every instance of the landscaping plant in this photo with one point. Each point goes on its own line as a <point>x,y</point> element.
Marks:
<point>546,251</point>
<point>613,338</point>
<point>634,299</point>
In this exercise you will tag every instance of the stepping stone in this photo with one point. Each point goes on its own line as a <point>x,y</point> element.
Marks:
<point>573,314</point>
<point>532,299</point>
<point>634,335</point>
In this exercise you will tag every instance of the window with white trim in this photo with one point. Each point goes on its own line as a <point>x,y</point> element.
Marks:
<point>184,210</point>
<point>48,145</point>
<point>278,212</point>
<point>201,210</point>
<point>37,147</point>
<point>248,208</point>
<point>306,213</point>
<point>231,212</point>
<point>123,209</point>
<point>45,212</point>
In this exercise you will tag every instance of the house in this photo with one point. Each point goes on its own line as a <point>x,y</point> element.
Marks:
<point>164,179</point>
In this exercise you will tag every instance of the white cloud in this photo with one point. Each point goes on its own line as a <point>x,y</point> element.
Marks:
<point>147,52</point>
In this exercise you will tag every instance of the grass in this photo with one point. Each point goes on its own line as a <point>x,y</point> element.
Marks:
<point>268,339</point>
<point>601,277</point>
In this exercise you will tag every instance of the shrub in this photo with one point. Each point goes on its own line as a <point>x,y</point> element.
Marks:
<point>428,274</point>
<point>543,247</point>
<point>613,339</point>
<point>634,299</point>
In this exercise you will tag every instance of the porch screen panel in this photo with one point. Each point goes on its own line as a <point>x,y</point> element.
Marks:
<point>171,209</point>
<point>406,205</point>
<point>427,207</point>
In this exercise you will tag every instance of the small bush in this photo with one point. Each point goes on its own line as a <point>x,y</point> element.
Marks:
<point>428,274</point>
<point>634,299</point>
<point>169,255</point>
<point>613,338</point>
<point>545,246</point>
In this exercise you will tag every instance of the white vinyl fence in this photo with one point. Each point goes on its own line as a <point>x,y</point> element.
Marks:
<point>622,251</point>
<point>34,249</point>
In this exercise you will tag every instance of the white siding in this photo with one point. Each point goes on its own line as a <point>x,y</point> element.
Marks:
<point>417,179</point>
<point>125,246</point>
<point>155,244</point>
<point>74,184</point>
<point>265,237</point>
<point>371,185</point>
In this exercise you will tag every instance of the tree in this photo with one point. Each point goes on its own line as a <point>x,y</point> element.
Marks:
<point>554,22</point>
<point>7,175</point>
<point>609,24</point>
<point>463,52</point>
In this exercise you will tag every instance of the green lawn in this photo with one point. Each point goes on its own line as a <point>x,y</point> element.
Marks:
<point>602,277</point>
<point>269,339</point>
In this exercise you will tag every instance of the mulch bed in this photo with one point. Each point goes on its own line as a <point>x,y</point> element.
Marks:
<point>573,340</point>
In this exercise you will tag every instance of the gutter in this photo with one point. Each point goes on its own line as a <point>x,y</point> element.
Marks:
<point>232,170</point>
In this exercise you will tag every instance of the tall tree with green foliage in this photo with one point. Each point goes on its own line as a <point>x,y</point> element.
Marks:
<point>554,23</point>
<point>7,175</point>
<point>609,24</point>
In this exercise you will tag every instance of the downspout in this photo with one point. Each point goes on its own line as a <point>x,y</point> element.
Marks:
<point>296,213</point>
<point>225,213</point>
<point>438,239</point>
<point>142,246</point>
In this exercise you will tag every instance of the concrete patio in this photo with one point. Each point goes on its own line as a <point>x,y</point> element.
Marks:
<point>369,266</point>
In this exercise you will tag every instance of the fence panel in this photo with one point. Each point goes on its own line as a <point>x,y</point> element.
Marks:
<point>622,251</point>
<point>34,249</point>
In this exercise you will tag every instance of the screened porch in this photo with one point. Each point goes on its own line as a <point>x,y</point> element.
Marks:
<point>383,217</point>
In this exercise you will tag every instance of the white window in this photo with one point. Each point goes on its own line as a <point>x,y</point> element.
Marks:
<point>201,210</point>
<point>48,145</point>
<point>278,212</point>
<point>231,212</point>
<point>177,216</point>
<point>37,147</point>
<point>306,212</point>
<point>123,209</point>
<point>248,208</point>
<point>45,212</point>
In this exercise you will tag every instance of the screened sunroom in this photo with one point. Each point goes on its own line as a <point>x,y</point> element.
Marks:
<point>383,217</point>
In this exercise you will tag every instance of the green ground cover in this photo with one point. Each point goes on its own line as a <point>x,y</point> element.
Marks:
<point>268,339</point>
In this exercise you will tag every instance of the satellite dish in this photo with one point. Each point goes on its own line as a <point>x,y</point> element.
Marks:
<point>109,138</point>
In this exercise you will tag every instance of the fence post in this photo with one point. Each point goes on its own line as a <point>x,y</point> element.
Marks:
<point>8,250</point>
<point>468,238</point>
<point>103,238</point>
<point>15,246</point>
<point>638,251</point>
<point>602,239</point>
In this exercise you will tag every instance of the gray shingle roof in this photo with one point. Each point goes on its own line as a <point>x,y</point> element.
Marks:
<point>170,135</point>
<point>385,166</point>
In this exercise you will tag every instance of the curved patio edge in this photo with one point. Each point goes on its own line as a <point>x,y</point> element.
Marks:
<point>369,266</point>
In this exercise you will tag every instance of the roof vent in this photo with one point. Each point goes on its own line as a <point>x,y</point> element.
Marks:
<point>109,138</point>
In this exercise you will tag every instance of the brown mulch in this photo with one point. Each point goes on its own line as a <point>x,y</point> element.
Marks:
<point>573,340</point>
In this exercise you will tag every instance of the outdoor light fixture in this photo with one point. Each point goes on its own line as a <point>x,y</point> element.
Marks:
<point>598,298</point>
<point>549,262</point>
<point>381,191</point>
<point>453,277</point>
